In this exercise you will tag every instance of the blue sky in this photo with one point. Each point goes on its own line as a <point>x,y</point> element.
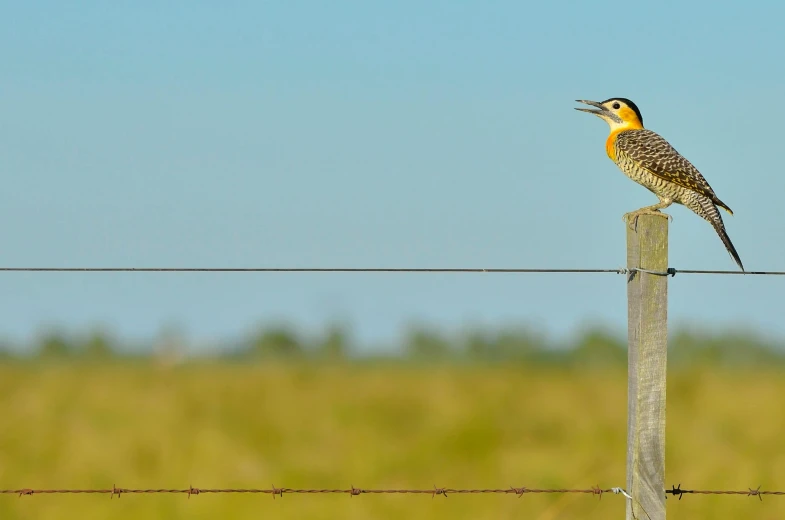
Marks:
<point>357,134</point>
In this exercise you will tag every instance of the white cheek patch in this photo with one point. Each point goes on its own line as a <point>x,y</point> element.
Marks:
<point>614,121</point>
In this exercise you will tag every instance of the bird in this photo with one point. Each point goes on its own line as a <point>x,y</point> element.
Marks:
<point>648,159</point>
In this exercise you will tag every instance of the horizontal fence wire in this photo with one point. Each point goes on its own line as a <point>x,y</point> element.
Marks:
<point>302,270</point>
<point>621,270</point>
<point>354,491</point>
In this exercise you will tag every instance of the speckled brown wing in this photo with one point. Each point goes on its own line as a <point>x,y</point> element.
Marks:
<point>656,155</point>
<point>670,176</point>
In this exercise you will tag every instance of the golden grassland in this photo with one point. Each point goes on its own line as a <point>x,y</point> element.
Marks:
<point>373,426</point>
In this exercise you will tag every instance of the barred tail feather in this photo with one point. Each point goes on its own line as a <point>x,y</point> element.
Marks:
<point>707,209</point>
<point>720,228</point>
<point>724,206</point>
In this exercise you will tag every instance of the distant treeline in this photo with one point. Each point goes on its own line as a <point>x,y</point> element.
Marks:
<point>592,346</point>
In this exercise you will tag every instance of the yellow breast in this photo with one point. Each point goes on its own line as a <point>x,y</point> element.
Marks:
<point>610,145</point>
<point>630,122</point>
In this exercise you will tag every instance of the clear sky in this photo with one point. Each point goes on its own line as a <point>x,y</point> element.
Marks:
<point>370,134</point>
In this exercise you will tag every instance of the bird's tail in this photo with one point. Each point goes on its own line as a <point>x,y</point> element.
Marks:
<point>719,227</point>
<point>724,206</point>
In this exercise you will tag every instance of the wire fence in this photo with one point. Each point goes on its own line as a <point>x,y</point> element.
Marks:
<point>675,491</point>
<point>619,270</point>
<point>355,491</point>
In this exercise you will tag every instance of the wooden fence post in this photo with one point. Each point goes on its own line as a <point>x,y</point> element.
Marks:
<point>647,316</point>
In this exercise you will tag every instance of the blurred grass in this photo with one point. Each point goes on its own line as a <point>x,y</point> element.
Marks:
<point>373,425</point>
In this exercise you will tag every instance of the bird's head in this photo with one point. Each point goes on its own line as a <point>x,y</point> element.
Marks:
<point>619,113</point>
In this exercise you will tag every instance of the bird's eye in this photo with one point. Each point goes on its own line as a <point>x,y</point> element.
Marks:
<point>616,106</point>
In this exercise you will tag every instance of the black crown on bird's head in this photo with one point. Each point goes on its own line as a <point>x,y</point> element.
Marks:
<point>629,103</point>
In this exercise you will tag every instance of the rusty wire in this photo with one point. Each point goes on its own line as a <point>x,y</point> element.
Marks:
<point>354,491</point>
<point>750,492</point>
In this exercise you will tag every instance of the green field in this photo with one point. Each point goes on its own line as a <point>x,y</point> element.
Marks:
<point>83,425</point>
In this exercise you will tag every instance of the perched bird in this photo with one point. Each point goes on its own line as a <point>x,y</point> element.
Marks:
<point>648,159</point>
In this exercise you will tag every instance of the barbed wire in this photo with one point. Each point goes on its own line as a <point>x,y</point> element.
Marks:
<point>354,491</point>
<point>621,270</point>
<point>750,492</point>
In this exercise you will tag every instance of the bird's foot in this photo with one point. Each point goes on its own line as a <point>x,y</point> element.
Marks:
<point>631,218</point>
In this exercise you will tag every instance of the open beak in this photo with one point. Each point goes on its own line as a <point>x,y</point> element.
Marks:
<point>600,109</point>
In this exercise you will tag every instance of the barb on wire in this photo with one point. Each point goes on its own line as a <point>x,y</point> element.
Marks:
<point>670,272</point>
